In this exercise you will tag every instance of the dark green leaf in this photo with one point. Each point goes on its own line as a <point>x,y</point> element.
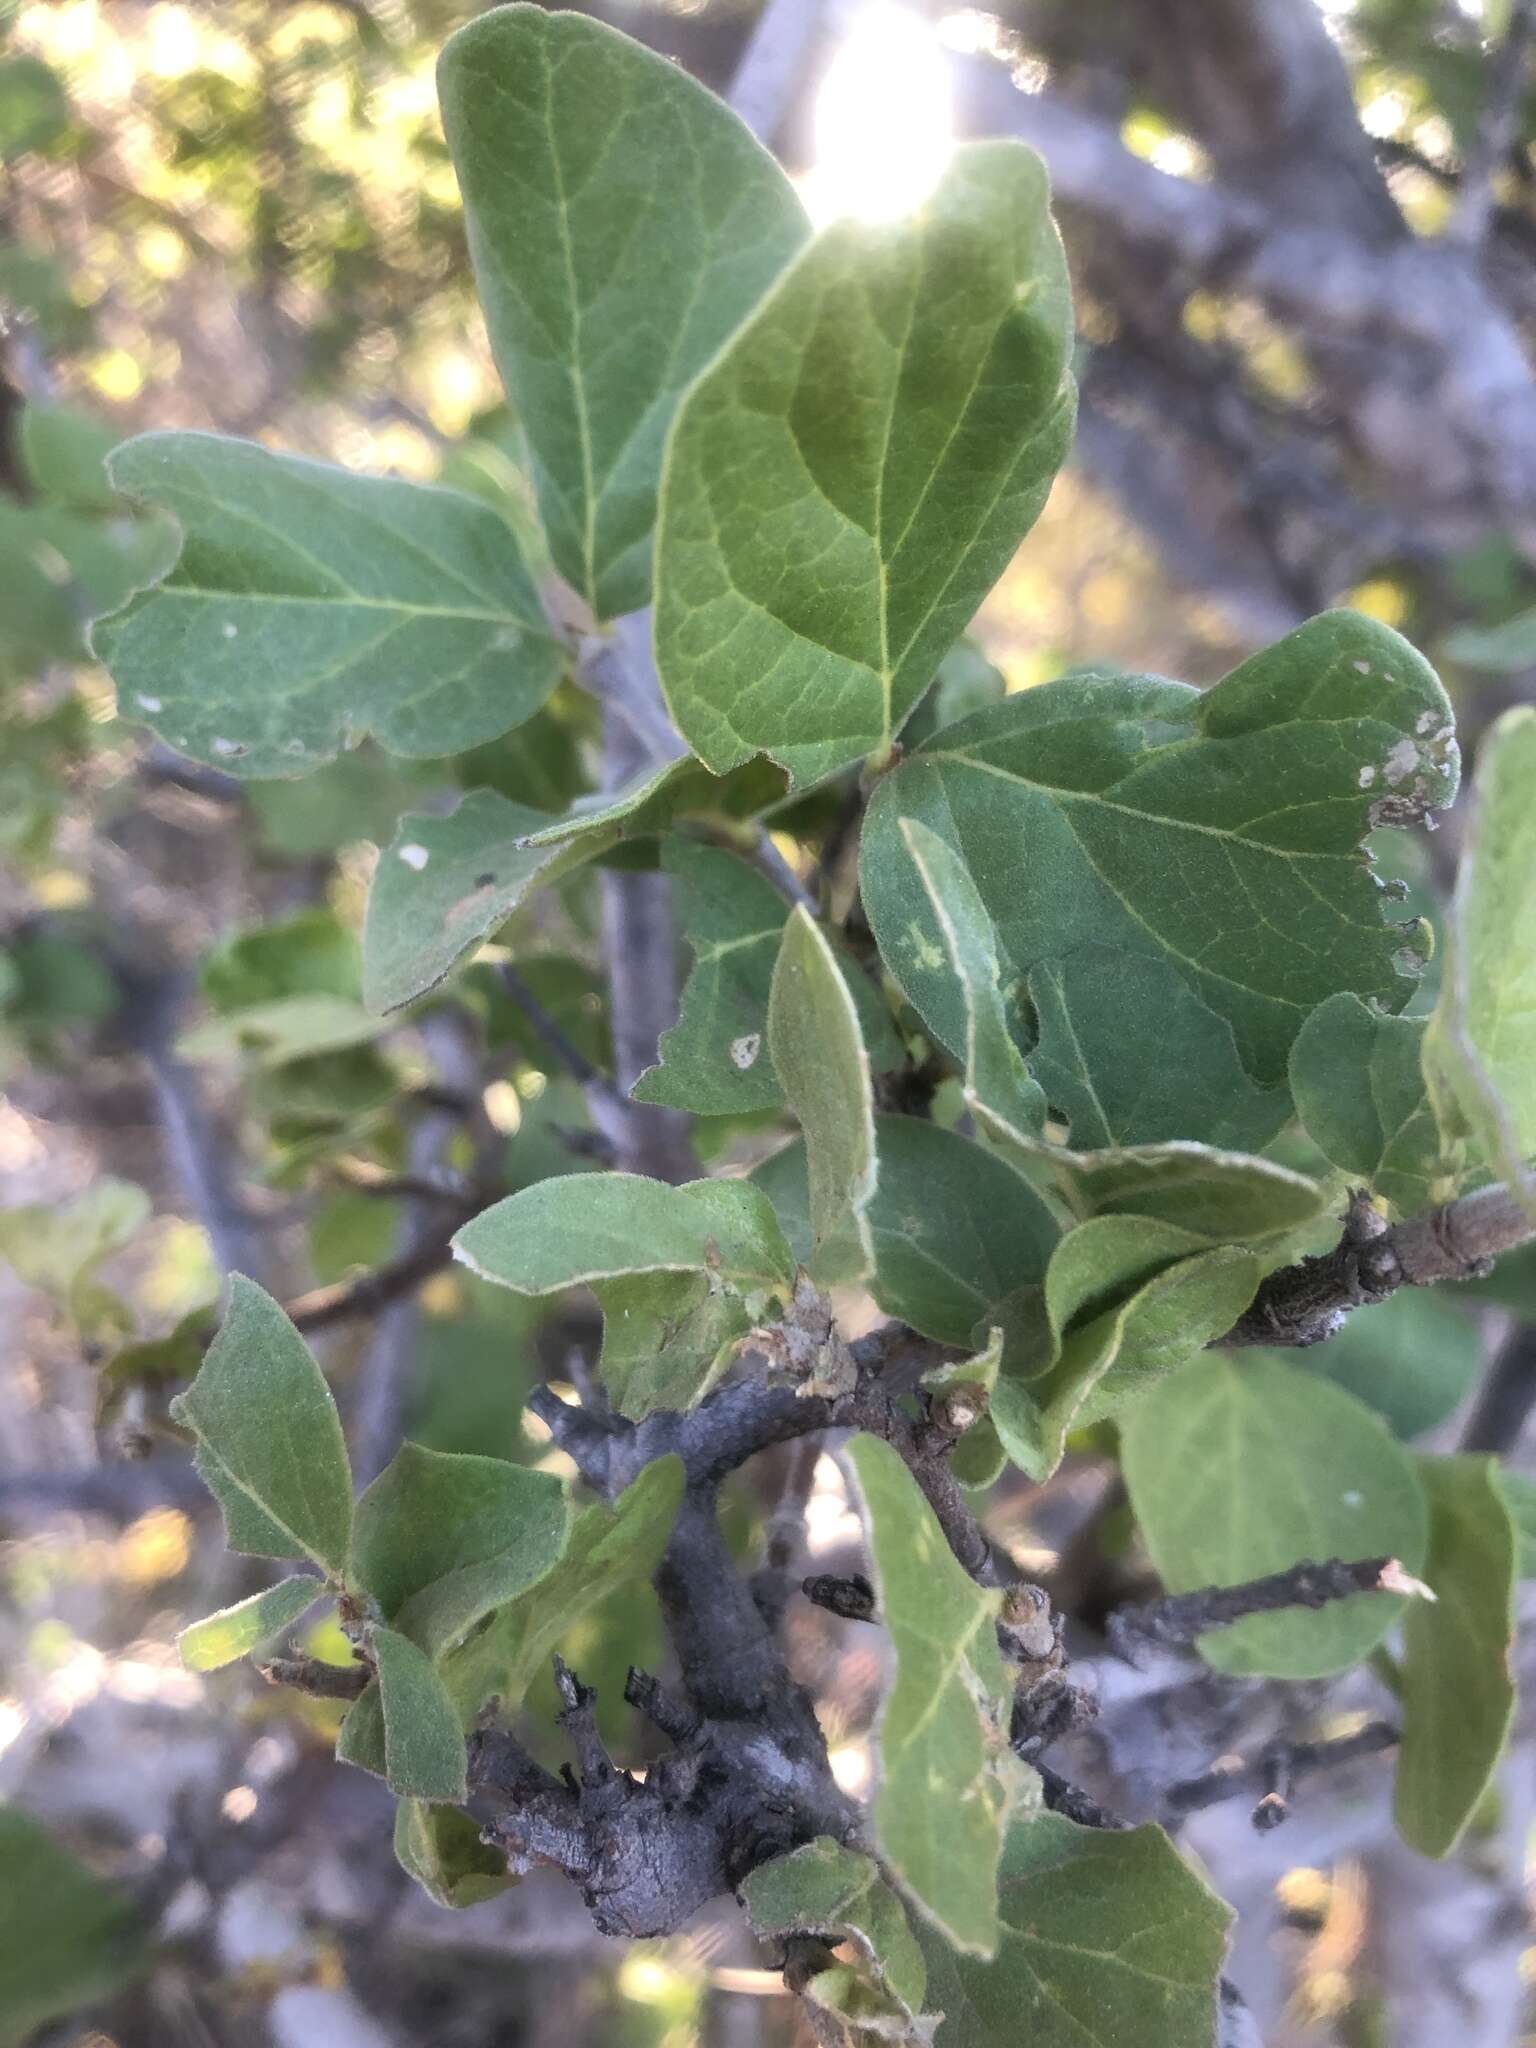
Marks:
<point>269,1442</point>
<point>66,1939</point>
<point>311,606</point>
<point>1358,1080</point>
<point>854,470</point>
<point>441,1848</point>
<point>839,1893</point>
<point>1413,1358</point>
<point>1457,1685</point>
<point>424,1755</point>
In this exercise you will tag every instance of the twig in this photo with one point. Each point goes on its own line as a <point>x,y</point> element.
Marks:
<point>321,1681</point>
<point>1507,81</point>
<point>1270,1777</point>
<point>1069,1800</point>
<point>1181,1618</point>
<point>1307,1303</point>
<point>345,1301</point>
<point>849,1595</point>
<point>609,1107</point>
<point>1507,1395</point>
<point>766,857</point>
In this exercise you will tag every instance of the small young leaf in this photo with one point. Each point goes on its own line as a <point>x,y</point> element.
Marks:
<point>440,1847</point>
<point>424,1756</point>
<point>819,1056</point>
<point>667,1337</point>
<point>826,1889</point>
<point>854,470</point>
<point>269,1442</point>
<point>1358,1080</point>
<point>1106,1938</point>
<point>311,606</point>
<point>1480,1050</point>
<point>440,1539</point>
<point>608,1547</point>
<point>1457,1685</point>
<point>66,1938</point>
<point>1218,832</point>
<point>233,1632</point>
<point>1239,1468</point>
<point>954,1229</point>
<point>940,1811</point>
<point>621,222</point>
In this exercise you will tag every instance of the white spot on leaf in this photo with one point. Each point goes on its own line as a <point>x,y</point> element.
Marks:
<point>149,703</point>
<point>229,748</point>
<point>1362,668</point>
<point>1367,777</point>
<point>231,630</point>
<point>1402,761</point>
<point>744,1050</point>
<point>415,856</point>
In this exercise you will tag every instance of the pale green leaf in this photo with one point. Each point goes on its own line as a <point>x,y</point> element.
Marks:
<point>1231,1197</point>
<point>1239,1467</point>
<point>311,606</point>
<point>1414,1358</point>
<point>1519,1495</point>
<point>966,682</point>
<point>424,1756</point>
<point>621,222</point>
<point>1480,1048</point>
<point>57,1246</point>
<point>608,1547</point>
<point>62,566</point>
<point>66,1938</point>
<point>1358,1080</point>
<point>269,1442</point>
<point>1458,1688</point>
<point>853,472</point>
<point>64,455</point>
<point>441,1538</point>
<point>1108,1938</point>
<point>235,1631</point>
<point>667,1337</point>
<point>1218,832</point>
<point>823,1888</point>
<point>953,1228</point>
<point>940,1811</point>
<point>818,1053</point>
<point>287,1028</point>
<point>440,1847</point>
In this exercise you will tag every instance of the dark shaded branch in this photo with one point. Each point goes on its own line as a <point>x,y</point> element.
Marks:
<point>1506,1397</point>
<point>346,1301</point>
<point>849,1595</point>
<point>1307,1303</point>
<point>320,1681</point>
<point>1069,1800</point>
<point>1270,1777</point>
<point>1179,1619</point>
<point>1509,75</point>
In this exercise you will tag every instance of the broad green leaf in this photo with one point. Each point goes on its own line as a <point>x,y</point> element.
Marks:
<point>996,1079</point>
<point>1122,1088</point>
<point>288,1028</point>
<point>852,473</point>
<point>56,1248</point>
<point>1480,1048</point>
<point>1127,1300</point>
<point>1107,1938</point>
<point>1505,649</point>
<point>64,454</point>
<point>1414,1358</point>
<point>440,1847</point>
<point>1519,1495</point>
<point>818,1053</point>
<point>66,1938</point>
<point>1458,1688</point>
<point>584,1227</point>
<point>1358,1080</point>
<point>311,953</point>
<point>424,1755</point>
<point>361,1740</point>
<point>667,1337</point>
<point>1239,1467</point>
<point>954,1229</point>
<point>269,1442</point>
<point>826,1889</point>
<point>310,607</point>
<point>62,566</point>
<point>608,1547</point>
<point>1218,832</point>
<point>440,1539</point>
<point>621,222</point>
<point>966,682</point>
<point>1226,1196</point>
<point>235,1631</point>
<point>940,1811</point>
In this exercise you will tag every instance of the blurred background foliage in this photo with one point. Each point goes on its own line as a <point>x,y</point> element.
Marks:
<point>240,215</point>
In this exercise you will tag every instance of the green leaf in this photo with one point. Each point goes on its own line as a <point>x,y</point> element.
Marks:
<point>440,1539</point>
<point>621,222</point>
<point>954,1229</point>
<point>1480,1049</point>
<point>288,1028</point>
<point>1229,1197</point>
<point>1458,1688</point>
<point>311,606</point>
<point>966,682</point>
<point>1106,1938</point>
<point>667,1337</point>
<point>818,1053</point>
<point>1127,1301</point>
<point>823,1888</point>
<point>424,1755</point>
<point>64,454</point>
<point>62,566</point>
<point>34,105</point>
<point>1519,1496</point>
<point>1239,1469</point>
<point>66,1939</point>
<point>1414,1358</point>
<point>440,1847</point>
<point>1216,832</point>
<point>233,1632</point>
<point>1358,1080</point>
<point>57,1247</point>
<point>854,470</point>
<point>269,1442</point>
<point>940,1811</point>
<point>608,1547</point>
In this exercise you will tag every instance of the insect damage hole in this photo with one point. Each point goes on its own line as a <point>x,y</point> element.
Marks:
<point>744,1050</point>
